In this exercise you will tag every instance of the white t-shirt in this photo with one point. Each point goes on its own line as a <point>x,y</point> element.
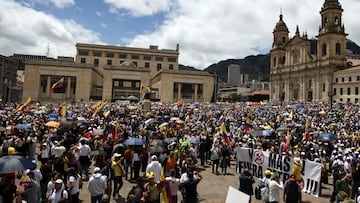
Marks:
<point>56,196</point>
<point>76,182</point>
<point>174,184</point>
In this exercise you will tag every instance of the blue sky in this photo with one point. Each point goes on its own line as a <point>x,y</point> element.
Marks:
<point>207,31</point>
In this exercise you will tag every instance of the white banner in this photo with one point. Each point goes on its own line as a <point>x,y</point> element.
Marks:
<point>257,161</point>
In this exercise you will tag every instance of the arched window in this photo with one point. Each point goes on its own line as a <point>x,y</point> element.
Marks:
<point>323,50</point>
<point>274,61</point>
<point>283,39</point>
<point>338,48</point>
<point>325,21</point>
<point>337,20</point>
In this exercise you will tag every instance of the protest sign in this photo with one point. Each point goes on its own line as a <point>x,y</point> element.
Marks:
<point>257,161</point>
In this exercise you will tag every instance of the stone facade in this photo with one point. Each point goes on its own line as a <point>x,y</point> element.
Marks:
<point>115,72</point>
<point>302,69</point>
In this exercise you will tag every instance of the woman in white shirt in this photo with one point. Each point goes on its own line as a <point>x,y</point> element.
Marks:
<point>275,186</point>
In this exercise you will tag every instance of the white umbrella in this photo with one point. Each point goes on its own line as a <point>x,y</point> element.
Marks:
<point>149,121</point>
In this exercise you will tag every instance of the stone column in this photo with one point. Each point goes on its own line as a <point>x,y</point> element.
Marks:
<point>179,91</point>
<point>48,86</point>
<point>196,93</point>
<point>68,88</point>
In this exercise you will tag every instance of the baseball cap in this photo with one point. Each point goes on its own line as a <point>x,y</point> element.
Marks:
<point>96,170</point>
<point>292,178</point>
<point>59,181</point>
<point>154,157</point>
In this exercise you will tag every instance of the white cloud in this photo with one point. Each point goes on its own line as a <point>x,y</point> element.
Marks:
<point>57,3</point>
<point>211,30</point>
<point>139,8</point>
<point>21,35</point>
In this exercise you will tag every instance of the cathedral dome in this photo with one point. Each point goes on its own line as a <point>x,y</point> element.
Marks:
<point>281,26</point>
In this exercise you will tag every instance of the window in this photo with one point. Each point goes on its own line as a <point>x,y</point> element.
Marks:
<point>283,39</point>
<point>135,57</point>
<point>96,62</point>
<point>83,53</point>
<point>158,67</point>
<point>323,50</point>
<point>123,56</point>
<point>274,61</point>
<point>348,91</point>
<point>338,48</point>
<point>147,65</point>
<point>97,53</point>
<point>147,58</point>
<point>159,58</point>
<point>122,62</point>
<point>356,100</point>
<point>358,78</point>
<point>172,59</point>
<point>336,20</point>
<point>348,100</point>
<point>110,55</point>
<point>342,79</point>
<point>83,60</point>
<point>356,90</point>
<point>324,87</point>
<point>334,91</point>
<point>336,80</point>
<point>341,91</point>
<point>135,63</point>
<point>109,62</point>
<point>171,66</point>
<point>349,79</point>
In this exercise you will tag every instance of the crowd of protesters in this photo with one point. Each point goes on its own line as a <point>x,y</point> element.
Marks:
<point>173,141</point>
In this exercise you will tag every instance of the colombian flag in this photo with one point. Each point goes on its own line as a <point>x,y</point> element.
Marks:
<point>58,84</point>
<point>248,124</point>
<point>224,135</point>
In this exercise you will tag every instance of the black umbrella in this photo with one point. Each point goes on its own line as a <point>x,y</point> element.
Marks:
<point>12,163</point>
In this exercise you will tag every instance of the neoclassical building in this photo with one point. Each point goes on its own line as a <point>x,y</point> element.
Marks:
<point>303,69</point>
<point>116,72</point>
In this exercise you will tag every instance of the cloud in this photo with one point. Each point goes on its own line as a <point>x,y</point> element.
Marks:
<point>57,3</point>
<point>211,30</point>
<point>138,8</point>
<point>20,35</point>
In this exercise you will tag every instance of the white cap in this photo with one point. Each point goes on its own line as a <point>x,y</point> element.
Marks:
<point>154,157</point>
<point>97,170</point>
<point>59,181</point>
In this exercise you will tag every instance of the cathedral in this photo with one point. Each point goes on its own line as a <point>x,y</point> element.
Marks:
<point>303,69</point>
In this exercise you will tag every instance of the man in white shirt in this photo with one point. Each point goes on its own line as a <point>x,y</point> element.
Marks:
<point>155,167</point>
<point>97,185</point>
<point>84,153</point>
<point>58,193</point>
<point>173,184</point>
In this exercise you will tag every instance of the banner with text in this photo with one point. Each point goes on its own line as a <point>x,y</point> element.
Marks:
<point>257,161</point>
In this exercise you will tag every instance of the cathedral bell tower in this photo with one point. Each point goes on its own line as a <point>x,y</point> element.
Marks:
<point>281,38</point>
<point>332,38</point>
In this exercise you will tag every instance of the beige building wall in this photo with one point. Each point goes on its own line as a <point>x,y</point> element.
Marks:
<point>32,80</point>
<point>346,85</point>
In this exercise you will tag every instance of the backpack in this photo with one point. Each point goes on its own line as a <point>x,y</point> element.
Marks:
<point>62,194</point>
<point>258,190</point>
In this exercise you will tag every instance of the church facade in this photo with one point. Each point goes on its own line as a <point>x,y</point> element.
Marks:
<point>303,69</point>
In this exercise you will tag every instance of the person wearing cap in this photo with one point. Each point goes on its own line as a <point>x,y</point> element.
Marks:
<point>296,169</point>
<point>97,186</point>
<point>292,191</point>
<point>58,193</point>
<point>117,165</point>
<point>155,167</point>
<point>74,183</point>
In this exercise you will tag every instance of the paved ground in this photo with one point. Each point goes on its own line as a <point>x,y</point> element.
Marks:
<point>213,188</point>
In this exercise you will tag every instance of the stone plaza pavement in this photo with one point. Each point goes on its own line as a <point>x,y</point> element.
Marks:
<point>213,188</point>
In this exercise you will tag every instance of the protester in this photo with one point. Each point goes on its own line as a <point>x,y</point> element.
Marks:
<point>58,193</point>
<point>246,183</point>
<point>275,186</point>
<point>97,186</point>
<point>292,191</point>
<point>189,190</point>
<point>118,167</point>
<point>155,167</point>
